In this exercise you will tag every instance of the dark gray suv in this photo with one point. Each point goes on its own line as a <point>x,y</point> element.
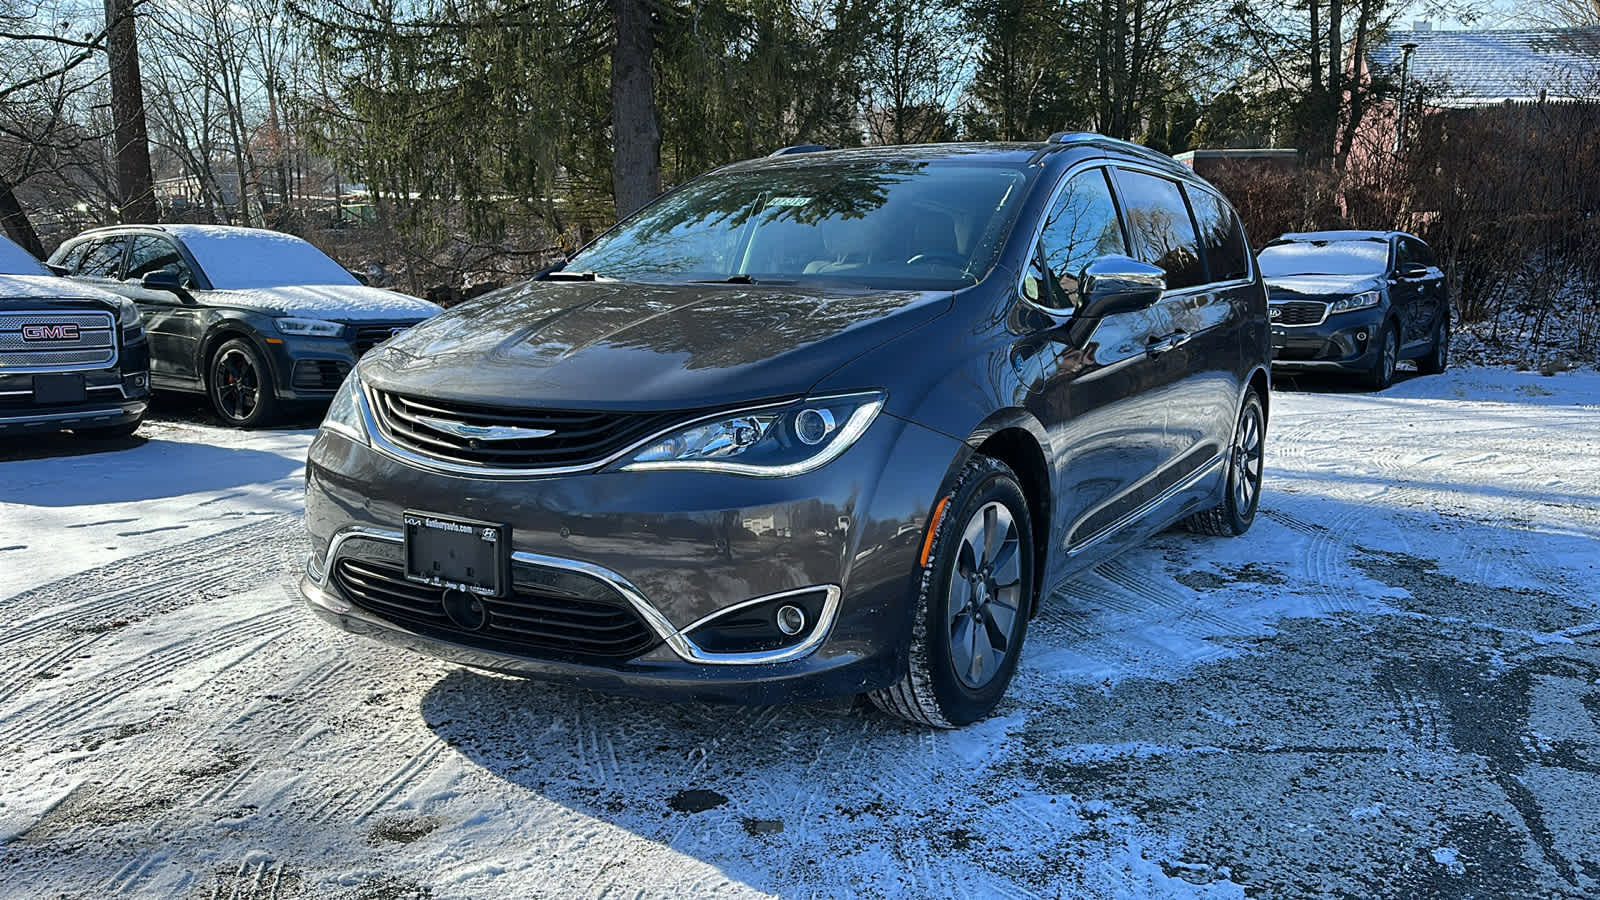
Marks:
<point>818,424</point>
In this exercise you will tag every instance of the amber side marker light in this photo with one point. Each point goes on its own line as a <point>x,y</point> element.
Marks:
<point>933,528</point>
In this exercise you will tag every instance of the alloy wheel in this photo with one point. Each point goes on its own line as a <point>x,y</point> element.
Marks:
<point>1391,355</point>
<point>1244,475</point>
<point>238,384</point>
<point>985,595</point>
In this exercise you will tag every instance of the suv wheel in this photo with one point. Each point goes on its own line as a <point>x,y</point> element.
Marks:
<point>1233,516</point>
<point>240,385</point>
<point>1438,358</point>
<point>1381,375</point>
<point>973,601</point>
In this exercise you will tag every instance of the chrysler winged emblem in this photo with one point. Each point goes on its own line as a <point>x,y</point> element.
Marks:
<point>483,432</point>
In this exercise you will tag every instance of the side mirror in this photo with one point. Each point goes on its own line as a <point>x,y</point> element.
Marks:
<point>162,280</point>
<point>1411,270</point>
<point>1117,284</point>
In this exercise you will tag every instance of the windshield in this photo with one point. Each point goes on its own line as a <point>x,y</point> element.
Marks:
<point>1363,257</point>
<point>244,258</point>
<point>16,261</point>
<point>890,224</point>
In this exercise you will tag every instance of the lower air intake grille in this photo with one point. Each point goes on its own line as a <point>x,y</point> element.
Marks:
<point>528,623</point>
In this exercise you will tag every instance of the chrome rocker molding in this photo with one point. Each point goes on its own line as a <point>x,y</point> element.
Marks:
<point>675,638</point>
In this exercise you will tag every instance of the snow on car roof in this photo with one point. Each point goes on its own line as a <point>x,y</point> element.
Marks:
<point>243,258</point>
<point>16,261</point>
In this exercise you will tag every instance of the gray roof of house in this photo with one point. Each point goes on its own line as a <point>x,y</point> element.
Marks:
<point>1470,67</point>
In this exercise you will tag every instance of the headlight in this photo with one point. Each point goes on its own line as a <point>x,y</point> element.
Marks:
<point>769,441</point>
<point>310,327</point>
<point>128,320</point>
<point>1359,301</point>
<point>345,412</point>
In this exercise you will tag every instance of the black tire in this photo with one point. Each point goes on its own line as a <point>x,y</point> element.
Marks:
<point>1381,375</point>
<point>932,692</point>
<point>1438,358</point>
<point>240,385</point>
<point>1242,494</point>
<point>110,432</point>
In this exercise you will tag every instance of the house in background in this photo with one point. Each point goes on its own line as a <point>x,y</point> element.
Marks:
<point>1466,69</point>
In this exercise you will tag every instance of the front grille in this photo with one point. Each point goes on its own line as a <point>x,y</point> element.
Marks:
<point>580,438</point>
<point>1300,312</point>
<point>319,374</point>
<point>369,336</point>
<point>94,347</point>
<point>530,622</point>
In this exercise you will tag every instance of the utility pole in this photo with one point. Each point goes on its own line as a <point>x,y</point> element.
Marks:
<point>1406,49</point>
<point>135,196</point>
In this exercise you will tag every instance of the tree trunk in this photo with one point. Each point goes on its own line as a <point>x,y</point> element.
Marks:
<point>1330,128</point>
<point>636,157</point>
<point>135,196</point>
<point>15,220</point>
<point>1358,90</point>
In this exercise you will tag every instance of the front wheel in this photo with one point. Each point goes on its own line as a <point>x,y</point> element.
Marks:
<point>1237,511</point>
<point>240,385</point>
<point>973,600</point>
<point>1381,375</point>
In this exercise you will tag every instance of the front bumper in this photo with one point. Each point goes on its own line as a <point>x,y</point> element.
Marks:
<point>114,396</point>
<point>1345,341</point>
<point>680,549</point>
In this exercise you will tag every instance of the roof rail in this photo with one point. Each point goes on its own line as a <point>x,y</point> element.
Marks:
<point>793,149</point>
<point>1071,137</point>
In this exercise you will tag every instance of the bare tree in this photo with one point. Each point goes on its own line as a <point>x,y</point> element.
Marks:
<point>137,200</point>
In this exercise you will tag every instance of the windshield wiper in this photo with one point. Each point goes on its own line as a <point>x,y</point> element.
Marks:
<point>562,275</point>
<point>731,279</point>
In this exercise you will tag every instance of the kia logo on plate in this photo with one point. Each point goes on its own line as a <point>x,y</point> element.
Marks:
<point>65,331</point>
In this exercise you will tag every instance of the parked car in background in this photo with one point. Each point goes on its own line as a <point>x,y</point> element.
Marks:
<point>824,423</point>
<point>71,356</point>
<point>254,319</point>
<point>1357,302</point>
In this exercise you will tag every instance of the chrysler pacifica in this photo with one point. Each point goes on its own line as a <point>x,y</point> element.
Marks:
<point>825,423</point>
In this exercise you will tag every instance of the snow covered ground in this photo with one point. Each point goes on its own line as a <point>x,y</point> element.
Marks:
<point>1390,686</point>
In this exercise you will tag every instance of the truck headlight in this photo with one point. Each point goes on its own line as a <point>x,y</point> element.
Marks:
<point>766,441</point>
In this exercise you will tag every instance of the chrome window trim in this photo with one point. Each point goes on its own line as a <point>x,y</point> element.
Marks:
<point>675,638</point>
<point>1106,162</point>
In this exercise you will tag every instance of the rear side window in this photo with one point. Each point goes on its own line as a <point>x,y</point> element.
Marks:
<point>104,259</point>
<point>1159,224</point>
<point>1081,226</point>
<point>152,254</point>
<point>1221,236</point>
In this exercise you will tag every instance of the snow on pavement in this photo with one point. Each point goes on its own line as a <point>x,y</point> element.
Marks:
<point>1391,685</point>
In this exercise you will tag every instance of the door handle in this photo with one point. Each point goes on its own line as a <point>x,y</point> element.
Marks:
<point>1158,346</point>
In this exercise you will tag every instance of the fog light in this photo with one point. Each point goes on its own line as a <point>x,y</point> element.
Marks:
<point>1361,335</point>
<point>791,619</point>
<point>812,425</point>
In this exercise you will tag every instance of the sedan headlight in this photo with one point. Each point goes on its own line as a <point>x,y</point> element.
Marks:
<point>1363,300</point>
<point>345,412</point>
<point>309,327</point>
<point>768,441</point>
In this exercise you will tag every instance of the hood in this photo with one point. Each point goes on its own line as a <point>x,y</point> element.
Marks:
<point>1288,287</point>
<point>334,302</point>
<point>623,345</point>
<point>53,288</point>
